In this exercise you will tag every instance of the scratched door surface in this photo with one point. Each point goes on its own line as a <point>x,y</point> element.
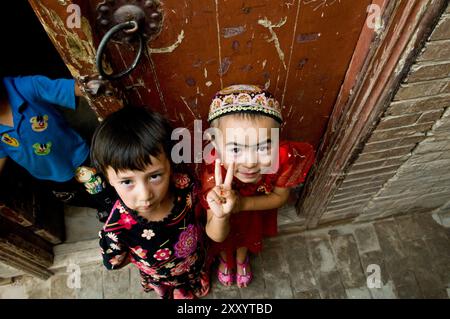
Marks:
<point>299,49</point>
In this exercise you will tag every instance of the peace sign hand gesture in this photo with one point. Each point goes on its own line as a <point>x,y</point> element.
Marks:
<point>222,199</point>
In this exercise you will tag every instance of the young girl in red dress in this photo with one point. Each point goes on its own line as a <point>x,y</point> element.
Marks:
<point>242,209</point>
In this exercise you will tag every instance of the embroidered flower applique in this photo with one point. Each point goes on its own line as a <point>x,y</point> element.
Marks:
<point>114,246</point>
<point>187,242</point>
<point>112,236</point>
<point>148,234</point>
<point>162,254</point>
<point>126,221</point>
<point>181,180</point>
<point>169,265</point>
<point>139,251</point>
<point>184,266</point>
<point>189,201</point>
<point>145,267</point>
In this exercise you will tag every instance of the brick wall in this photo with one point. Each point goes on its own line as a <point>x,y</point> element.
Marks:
<point>404,166</point>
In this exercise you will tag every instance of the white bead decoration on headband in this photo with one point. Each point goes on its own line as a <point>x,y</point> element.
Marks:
<point>244,98</point>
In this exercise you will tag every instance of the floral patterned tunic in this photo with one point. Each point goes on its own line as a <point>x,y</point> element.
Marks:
<point>170,253</point>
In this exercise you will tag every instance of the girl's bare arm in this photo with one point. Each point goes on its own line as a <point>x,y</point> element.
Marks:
<point>276,199</point>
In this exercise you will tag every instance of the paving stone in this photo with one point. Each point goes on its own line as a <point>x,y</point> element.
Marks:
<point>321,255</point>
<point>387,233</point>
<point>430,228</point>
<point>221,292</point>
<point>61,288</point>
<point>406,287</point>
<point>408,228</point>
<point>13,291</point>
<point>348,262</point>
<point>136,291</point>
<point>30,287</point>
<point>386,291</point>
<point>91,286</point>
<point>325,270</point>
<point>438,249</point>
<point>419,261</point>
<point>366,238</point>
<point>5,281</point>
<point>36,288</point>
<point>358,293</point>
<point>7,272</point>
<point>300,267</point>
<point>396,260</point>
<point>276,273</point>
<point>81,224</point>
<point>116,283</point>
<point>331,286</point>
<point>372,260</point>
<point>312,294</point>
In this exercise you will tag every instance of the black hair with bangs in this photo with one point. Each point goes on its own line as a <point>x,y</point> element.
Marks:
<point>126,139</point>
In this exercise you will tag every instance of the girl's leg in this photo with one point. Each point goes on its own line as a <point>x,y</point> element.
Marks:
<point>224,272</point>
<point>244,273</point>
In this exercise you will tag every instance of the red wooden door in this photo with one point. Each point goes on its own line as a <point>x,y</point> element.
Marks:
<point>299,50</point>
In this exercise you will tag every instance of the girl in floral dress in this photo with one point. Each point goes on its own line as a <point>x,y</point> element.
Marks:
<point>259,172</point>
<point>153,223</point>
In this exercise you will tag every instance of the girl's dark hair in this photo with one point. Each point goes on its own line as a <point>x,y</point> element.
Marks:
<point>126,139</point>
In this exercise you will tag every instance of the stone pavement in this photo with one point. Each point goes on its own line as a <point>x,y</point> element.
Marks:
<point>402,257</point>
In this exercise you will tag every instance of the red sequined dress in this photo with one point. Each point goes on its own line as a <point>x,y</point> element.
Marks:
<point>247,228</point>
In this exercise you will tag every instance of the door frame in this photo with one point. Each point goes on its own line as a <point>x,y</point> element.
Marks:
<point>381,60</point>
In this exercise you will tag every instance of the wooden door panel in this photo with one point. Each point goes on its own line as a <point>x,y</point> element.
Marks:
<point>76,46</point>
<point>180,73</point>
<point>299,50</point>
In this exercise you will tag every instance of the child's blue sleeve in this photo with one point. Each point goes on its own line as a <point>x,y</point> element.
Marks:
<point>2,152</point>
<point>59,91</point>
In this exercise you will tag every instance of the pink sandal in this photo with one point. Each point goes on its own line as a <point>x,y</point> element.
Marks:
<point>226,278</point>
<point>246,278</point>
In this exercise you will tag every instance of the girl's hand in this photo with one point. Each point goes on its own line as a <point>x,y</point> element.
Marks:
<point>222,199</point>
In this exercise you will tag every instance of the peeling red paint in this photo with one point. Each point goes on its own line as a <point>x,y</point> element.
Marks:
<point>307,37</point>
<point>232,32</point>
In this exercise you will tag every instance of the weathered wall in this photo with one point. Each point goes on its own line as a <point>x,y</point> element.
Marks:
<point>405,165</point>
